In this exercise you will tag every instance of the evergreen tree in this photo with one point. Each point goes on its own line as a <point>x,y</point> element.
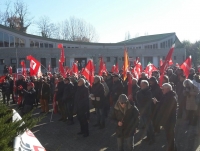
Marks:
<point>9,129</point>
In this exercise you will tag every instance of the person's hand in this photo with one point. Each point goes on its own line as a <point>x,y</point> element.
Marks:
<point>120,123</point>
<point>154,100</point>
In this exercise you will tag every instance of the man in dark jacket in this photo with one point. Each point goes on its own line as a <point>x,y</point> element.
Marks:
<point>44,96</point>
<point>143,77</point>
<point>127,118</point>
<point>156,93</point>
<point>11,82</point>
<point>98,98</point>
<point>59,94</point>
<point>117,88</point>
<point>6,91</point>
<point>167,115</point>
<point>135,89</point>
<point>81,107</point>
<point>68,100</point>
<point>29,97</point>
<point>144,101</point>
<point>172,77</point>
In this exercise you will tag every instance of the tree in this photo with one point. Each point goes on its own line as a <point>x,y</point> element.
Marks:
<point>192,49</point>
<point>127,36</point>
<point>16,18</point>
<point>9,130</point>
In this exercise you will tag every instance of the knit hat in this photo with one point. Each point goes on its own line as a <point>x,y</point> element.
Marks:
<point>122,98</point>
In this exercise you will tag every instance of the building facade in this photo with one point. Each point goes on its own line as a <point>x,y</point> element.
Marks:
<point>15,46</point>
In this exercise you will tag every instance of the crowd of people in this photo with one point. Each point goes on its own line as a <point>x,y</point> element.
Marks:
<point>149,106</point>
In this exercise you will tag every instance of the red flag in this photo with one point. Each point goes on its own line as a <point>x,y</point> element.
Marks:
<point>49,67</point>
<point>62,55</point>
<point>89,72</point>
<point>102,67</point>
<point>137,70</point>
<point>171,62</point>
<point>130,83</point>
<point>165,65</point>
<point>74,69</point>
<point>2,79</point>
<point>61,69</point>
<point>23,68</point>
<point>149,69</point>
<point>126,64</point>
<point>34,66</point>
<point>10,70</point>
<point>115,68</point>
<point>136,61</point>
<point>177,65</point>
<point>161,62</point>
<point>186,66</point>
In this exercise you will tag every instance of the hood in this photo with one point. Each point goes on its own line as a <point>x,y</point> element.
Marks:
<point>123,110</point>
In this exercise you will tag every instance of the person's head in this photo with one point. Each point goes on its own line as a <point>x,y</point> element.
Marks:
<point>97,79</point>
<point>67,80</point>
<point>135,81</point>
<point>192,71</point>
<point>123,100</point>
<point>179,72</point>
<point>115,77</point>
<point>182,78</point>
<point>188,83</point>
<point>152,81</point>
<point>81,82</point>
<point>155,73</point>
<point>166,87</point>
<point>169,71</point>
<point>60,79</point>
<point>196,77</point>
<point>30,85</point>
<point>143,75</point>
<point>144,84</point>
<point>109,76</point>
<point>165,79</point>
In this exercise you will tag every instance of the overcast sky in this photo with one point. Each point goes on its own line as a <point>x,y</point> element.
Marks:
<point>113,18</point>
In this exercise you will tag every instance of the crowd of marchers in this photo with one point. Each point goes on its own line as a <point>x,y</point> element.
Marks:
<point>149,107</point>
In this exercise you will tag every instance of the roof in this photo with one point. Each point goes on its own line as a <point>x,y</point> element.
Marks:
<point>148,38</point>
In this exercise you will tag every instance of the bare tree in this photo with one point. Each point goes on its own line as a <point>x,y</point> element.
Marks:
<point>127,35</point>
<point>16,18</point>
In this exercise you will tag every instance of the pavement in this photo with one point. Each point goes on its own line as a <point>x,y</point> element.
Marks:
<point>58,136</point>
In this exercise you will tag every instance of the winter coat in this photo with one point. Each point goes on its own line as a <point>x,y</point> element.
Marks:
<point>117,90</point>
<point>44,91</point>
<point>98,92</point>
<point>81,101</point>
<point>130,120</point>
<point>59,93</point>
<point>144,101</point>
<point>135,89</point>
<point>23,83</point>
<point>6,87</point>
<point>173,79</point>
<point>11,82</point>
<point>29,97</point>
<point>68,94</point>
<point>179,91</point>
<point>190,94</point>
<point>105,88</point>
<point>168,108</point>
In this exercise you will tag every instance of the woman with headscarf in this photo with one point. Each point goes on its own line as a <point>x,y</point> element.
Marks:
<point>127,118</point>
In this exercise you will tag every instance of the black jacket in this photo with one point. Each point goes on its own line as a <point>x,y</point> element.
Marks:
<point>68,94</point>
<point>117,90</point>
<point>6,87</point>
<point>81,101</point>
<point>130,120</point>
<point>59,93</point>
<point>29,97</point>
<point>44,91</point>
<point>98,91</point>
<point>144,101</point>
<point>168,109</point>
<point>135,89</point>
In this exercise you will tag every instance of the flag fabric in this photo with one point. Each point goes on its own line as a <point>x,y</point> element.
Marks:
<point>177,65</point>
<point>165,65</point>
<point>2,79</point>
<point>49,67</point>
<point>126,64</point>
<point>136,61</point>
<point>171,62</point>
<point>62,55</point>
<point>102,67</point>
<point>35,66</point>
<point>74,69</point>
<point>10,70</point>
<point>61,69</point>
<point>89,72</point>
<point>137,70</point>
<point>115,68</point>
<point>149,69</point>
<point>23,68</point>
<point>186,66</point>
<point>161,62</point>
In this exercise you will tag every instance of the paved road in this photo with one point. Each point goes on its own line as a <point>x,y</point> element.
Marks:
<point>58,136</point>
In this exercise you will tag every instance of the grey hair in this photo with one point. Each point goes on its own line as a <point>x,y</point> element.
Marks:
<point>83,80</point>
<point>146,82</point>
<point>134,79</point>
<point>97,77</point>
<point>167,85</point>
<point>188,82</point>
